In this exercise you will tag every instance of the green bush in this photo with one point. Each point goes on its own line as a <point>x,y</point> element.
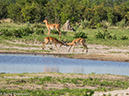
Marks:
<point>39,31</point>
<point>105,35</point>
<point>105,24</point>
<point>122,23</point>
<point>124,38</point>
<point>17,32</point>
<point>80,35</point>
<point>99,25</point>
<point>6,32</point>
<point>84,23</point>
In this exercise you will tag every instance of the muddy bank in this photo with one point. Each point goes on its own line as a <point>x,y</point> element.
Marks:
<point>101,57</point>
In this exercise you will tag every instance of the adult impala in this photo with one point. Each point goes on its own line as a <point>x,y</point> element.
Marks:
<point>53,26</point>
<point>52,40</point>
<point>76,41</point>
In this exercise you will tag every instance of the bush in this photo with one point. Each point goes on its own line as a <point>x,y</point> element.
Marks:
<point>99,25</point>
<point>105,35</point>
<point>17,33</point>
<point>105,24</point>
<point>124,38</point>
<point>39,31</point>
<point>84,23</point>
<point>23,32</point>
<point>80,35</point>
<point>6,32</point>
<point>121,23</point>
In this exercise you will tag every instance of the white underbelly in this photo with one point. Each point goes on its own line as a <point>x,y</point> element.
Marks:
<point>51,28</point>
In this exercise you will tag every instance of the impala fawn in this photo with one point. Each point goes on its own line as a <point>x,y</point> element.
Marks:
<point>75,41</point>
<point>53,26</point>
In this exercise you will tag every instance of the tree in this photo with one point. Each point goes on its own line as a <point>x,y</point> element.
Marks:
<point>27,10</point>
<point>70,11</point>
<point>3,10</point>
<point>100,13</point>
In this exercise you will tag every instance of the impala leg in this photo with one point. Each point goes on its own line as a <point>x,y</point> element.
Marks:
<point>44,44</point>
<point>59,32</point>
<point>85,46</point>
<point>70,48</point>
<point>74,47</point>
<point>56,47</point>
<point>48,32</point>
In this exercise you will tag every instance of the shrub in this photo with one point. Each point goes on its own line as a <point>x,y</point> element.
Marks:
<point>105,24</point>
<point>105,35</point>
<point>124,38</point>
<point>17,33</point>
<point>121,23</point>
<point>84,23</point>
<point>99,25</point>
<point>39,31</point>
<point>6,32</point>
<point>80,35</point>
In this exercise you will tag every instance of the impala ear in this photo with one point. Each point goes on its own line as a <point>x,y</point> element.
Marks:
<point>46,18</point>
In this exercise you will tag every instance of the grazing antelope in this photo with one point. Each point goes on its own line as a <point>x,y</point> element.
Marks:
<point>53,26</point>
<point>53,40</point>
<point>75,41</point>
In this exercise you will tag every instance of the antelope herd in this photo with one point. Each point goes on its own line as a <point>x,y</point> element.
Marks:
<point>55,41</point>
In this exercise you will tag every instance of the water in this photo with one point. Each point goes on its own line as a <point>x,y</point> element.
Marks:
<point>24,63</point>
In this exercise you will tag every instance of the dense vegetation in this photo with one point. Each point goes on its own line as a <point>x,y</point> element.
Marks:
<point>94,11</point>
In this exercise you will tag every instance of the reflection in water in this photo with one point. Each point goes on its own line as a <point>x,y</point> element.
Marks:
<point>51,69</point>
<point>78,70</point>
<point>21,63</point>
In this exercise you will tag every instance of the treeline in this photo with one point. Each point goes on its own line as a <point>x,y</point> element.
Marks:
<point>59,11</point>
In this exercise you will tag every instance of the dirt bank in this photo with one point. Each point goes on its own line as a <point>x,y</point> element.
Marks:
<point>95,52</point>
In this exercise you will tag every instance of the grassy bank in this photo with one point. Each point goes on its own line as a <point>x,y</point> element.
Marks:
<point>56,84</point>
<point>121,34</point>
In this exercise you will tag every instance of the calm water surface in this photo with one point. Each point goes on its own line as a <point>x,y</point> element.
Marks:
<point>24,63</point>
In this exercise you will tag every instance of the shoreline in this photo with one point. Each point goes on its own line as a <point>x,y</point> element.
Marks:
<point>100,57</point>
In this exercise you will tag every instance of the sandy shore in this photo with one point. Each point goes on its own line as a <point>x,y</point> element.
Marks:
<point>95,52</point>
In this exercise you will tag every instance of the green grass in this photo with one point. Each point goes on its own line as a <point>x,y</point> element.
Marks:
<point>68,37</point>
<point>28,83</point>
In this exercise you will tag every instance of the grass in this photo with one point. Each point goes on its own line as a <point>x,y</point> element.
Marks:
<point>56,84</point>
<point>69,37</point>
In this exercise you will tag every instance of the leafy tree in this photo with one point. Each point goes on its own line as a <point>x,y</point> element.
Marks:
<point>27,10</point>
<point>70,11</point>
<point>30,12</point>
<point>100,13</point>
<point>14,11</point>
<point>110,15</point>
<point>3,10</point>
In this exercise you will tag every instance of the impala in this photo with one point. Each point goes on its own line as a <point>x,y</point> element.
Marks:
<point>53,26</point>
<point>52,40</point>
<point>76,41</point>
